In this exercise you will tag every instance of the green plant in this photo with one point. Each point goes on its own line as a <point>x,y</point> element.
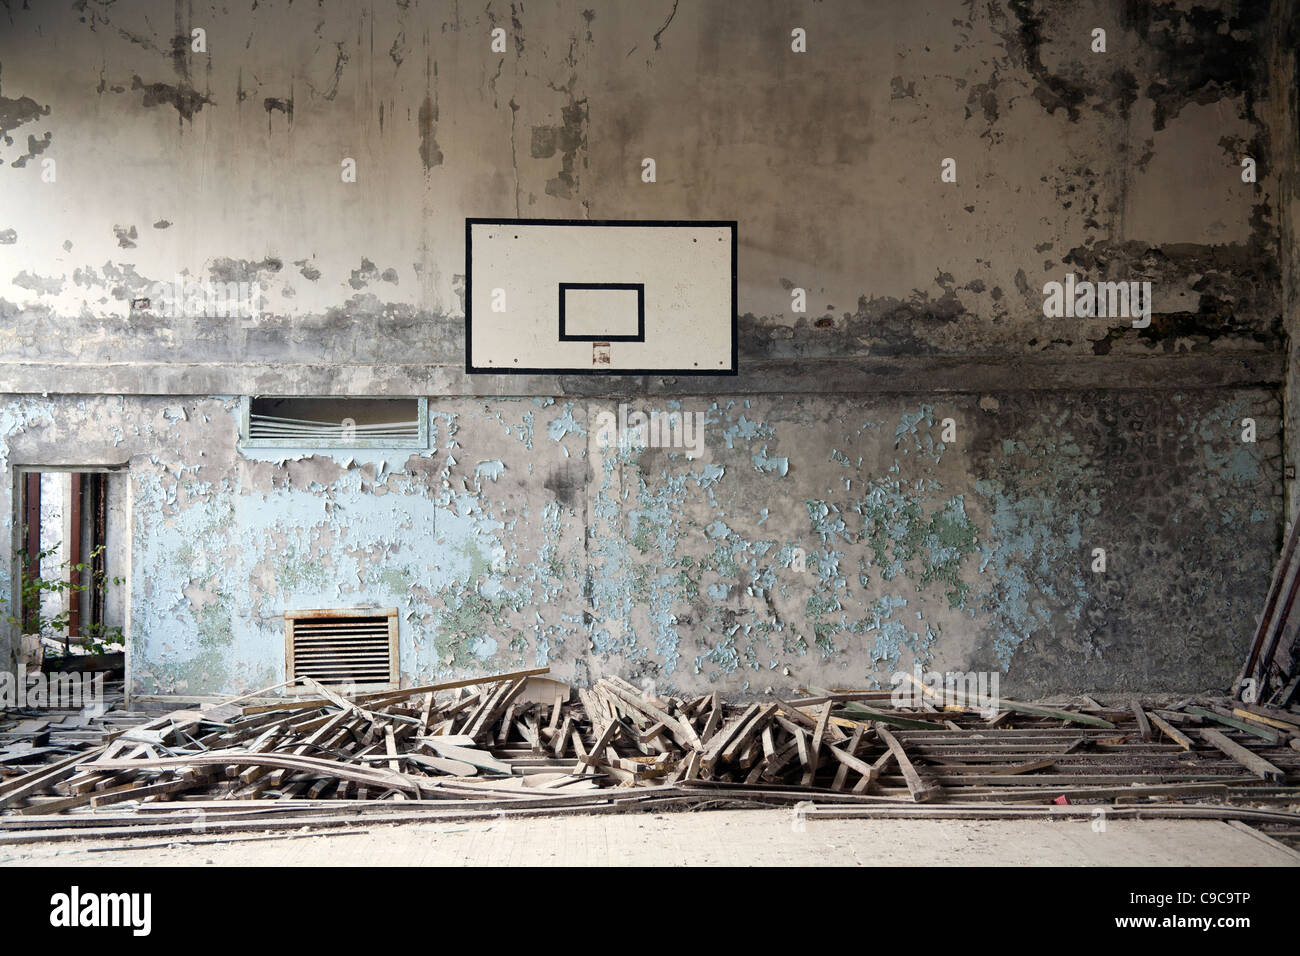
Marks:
<point>96,638</point>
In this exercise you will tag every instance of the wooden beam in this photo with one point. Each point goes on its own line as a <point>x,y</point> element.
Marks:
<point>1251,761</point>
<point>381,698</point>
<point>1261,717</point>
<point>920,790</point>
<point>841,773</point>
<point>1168,729</point>
<point>1263,733</point>
<point>1144,725</point>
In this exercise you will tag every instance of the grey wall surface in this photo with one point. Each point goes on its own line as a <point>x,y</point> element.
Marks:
<point>924,303</point>
<point>519,538</point>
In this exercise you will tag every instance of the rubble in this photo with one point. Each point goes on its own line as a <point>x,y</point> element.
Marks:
<point>523,744</point>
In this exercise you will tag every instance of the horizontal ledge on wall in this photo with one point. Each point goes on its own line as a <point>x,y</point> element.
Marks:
<point>920,375</point>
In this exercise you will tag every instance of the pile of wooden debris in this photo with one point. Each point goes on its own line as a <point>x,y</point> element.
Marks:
<point>523,744</point>
<point>1271,672</point>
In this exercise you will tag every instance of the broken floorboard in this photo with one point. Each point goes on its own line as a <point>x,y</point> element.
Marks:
<point>523,743</point>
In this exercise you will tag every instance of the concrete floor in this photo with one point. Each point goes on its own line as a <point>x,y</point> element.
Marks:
<point>753,838</point>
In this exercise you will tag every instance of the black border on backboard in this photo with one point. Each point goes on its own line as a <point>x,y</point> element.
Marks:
<point>471,369</point>
<point>639,288</point>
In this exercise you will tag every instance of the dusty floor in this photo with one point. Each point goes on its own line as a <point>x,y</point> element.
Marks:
<point>755,837</point>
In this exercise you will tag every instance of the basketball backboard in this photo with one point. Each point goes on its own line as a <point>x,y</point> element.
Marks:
<point>605,297</point>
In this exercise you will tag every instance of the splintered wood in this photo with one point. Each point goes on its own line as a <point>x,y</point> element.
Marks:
<point>522,744</point>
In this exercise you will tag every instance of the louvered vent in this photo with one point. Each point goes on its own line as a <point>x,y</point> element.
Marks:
<point>352,646</point>
<point>335,422</point>
<point>295,430</point>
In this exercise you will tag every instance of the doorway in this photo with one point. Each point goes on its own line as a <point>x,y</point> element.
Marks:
<point>71,555</point>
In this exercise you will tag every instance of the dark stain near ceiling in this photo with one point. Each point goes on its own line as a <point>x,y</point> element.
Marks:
<point>545,141</point>
<point>365,275</point>
<point>430,153</point>
<point>1057,90</point>
<point>16,112</point>
<point>885,325</point>
<point>1237,293</point>
<point>1193,54</point>
<point>517,29</point>
<point>1201,54</point>
<point>34,148</point>
<point>1053,92</point>
<point>226,269</point>
<point>273,104</point>
<point>569,138</point>
<point>182,97</point>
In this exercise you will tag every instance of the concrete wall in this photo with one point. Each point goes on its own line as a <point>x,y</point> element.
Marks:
<point>519,539</point>
<point>1284,92</point>
<point>925,303</point>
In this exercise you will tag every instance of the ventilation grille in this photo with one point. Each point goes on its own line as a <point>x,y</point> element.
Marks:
<point>294,430</point>
<point>336,647</point>
<point>338,422</point>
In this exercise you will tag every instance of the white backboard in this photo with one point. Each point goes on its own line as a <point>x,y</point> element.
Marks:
<point>603,297</point>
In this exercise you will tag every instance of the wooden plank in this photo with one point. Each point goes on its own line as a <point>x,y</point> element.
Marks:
<point>1251,761</point>
<point>447,765</point>
<point>1177,736</point>
<point>801,746</point>
<point>814,751</point>
<point>877,768</point>
<point>849,762</point>
<point>842,772</point>
<point>27,785</point>
<point>493,706</point>
<point>1258,716</point>
<point>561,740</point>
<point>140,791</point>
<point>986,704</point>
<point>782,757</point>
<point>581,767</point>
<point>1027,767</point>
<point>748,733</point>
<point>602,742</point>
<point>1263,733</point>
<point>390,744</point>
<point>372,776</point>
<point>680,729</point>
<point>1282,590</point>
<point>427,713</point>
<point>713,749</point>
<point>920,790</point>
<point>381,698</point>
<point>714,720</point>
<point>507,721</point>
<point>1144,725</point>
<point>893,720</point>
